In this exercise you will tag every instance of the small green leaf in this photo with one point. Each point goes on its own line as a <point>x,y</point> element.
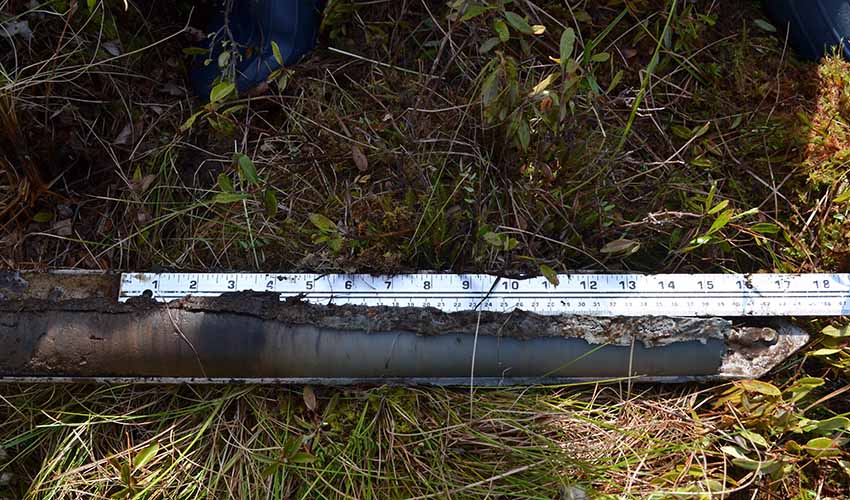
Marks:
<point>92,4</point>
<point>841,198</point>
<point>125,474</point>
<point>720,206</point>
<point>473,11</point>
<point>494,239</point>
<point>681,132</point>
<point>825,352</point>
<point>544,84</point>
<point>754,438</point>
<point>276,52</point>
<point>246,168</point>
<point>196,51</point>
<point>224,183</point>
<point>301,458</point>
<point>501,29</point>
<point>721,221</point>
<point>746,213</point>
<point>221,91</point>
<point>322,223</point>
<point>831,331</point>
<point>229,197</point>
<point>550,274</point>
<point>190,121</point>
<point>501,241</point>
<point>822,447</point>
<point>568,39</point>
<point>518,23</point>
<point>618,77</point>
<point>145,456</point>
<point>523,134</point>
<point>765,228</point>
<point>757,386</point>
<point>489,44</point>
<point>734,452</point>
<point>621,247</point>
<point>42,217</point>
<point>600,57</point>
<point>833,424</point>
<point>766,467</point>
<point>765,26</point>
<point>702,130</point>
<point>122,493</point>
<point>270,203</point>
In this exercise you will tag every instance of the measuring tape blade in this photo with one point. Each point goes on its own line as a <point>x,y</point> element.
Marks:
<point>587,294</point>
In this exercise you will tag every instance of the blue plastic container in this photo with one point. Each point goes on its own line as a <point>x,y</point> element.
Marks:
<point>292,24</point>
<point>816,26</point>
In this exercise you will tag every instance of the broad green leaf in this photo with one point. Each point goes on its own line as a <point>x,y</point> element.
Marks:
<point>550,274</point>
<point>145,456</point>
<point>322,223</point>
<point>221,91</point>
<point>247,169</point>
<point>501,29</point>
<point>518,23</point>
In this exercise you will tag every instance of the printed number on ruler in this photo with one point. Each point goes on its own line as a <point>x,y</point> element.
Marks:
<point>593,294</point>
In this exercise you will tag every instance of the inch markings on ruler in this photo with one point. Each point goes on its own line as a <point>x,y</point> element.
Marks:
<point>590,294</point>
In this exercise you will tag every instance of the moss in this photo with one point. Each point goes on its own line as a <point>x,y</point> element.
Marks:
<point>828,149</point>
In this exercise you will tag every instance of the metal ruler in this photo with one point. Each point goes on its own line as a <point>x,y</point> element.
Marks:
<point>588,294</point>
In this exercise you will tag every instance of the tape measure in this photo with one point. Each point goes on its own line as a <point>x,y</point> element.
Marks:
<point>586,294</point>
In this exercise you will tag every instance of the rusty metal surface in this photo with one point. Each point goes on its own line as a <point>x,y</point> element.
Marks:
<point>49,330</point>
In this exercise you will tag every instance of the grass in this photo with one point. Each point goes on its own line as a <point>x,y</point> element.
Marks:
<point>661,136</point>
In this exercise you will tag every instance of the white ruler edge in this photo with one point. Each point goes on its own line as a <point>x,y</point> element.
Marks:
<point>590,294</point>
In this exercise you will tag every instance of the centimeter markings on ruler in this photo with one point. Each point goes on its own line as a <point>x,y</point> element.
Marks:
<point>591,294</point>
